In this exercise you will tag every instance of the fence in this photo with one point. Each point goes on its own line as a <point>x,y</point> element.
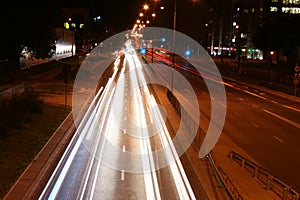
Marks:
<point>271,182</point>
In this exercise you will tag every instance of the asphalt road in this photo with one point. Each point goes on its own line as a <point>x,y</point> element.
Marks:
<point>264,125</point>
<point>112,156</point>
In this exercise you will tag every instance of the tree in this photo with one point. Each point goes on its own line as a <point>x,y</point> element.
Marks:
<point>30,25</point>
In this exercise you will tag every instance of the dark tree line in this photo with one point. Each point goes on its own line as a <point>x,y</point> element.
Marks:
<point>30,24</point>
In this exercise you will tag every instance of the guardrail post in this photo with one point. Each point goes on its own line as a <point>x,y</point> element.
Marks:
<point>243,163</point>
<point>270,178</point>
<point>294,197</point>
<point>297,196</point>
<point>256,172</point>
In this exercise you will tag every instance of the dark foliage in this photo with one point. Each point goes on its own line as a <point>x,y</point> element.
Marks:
<point>14,112</point>
<point>29,24</point>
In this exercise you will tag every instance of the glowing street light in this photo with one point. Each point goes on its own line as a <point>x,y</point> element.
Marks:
<point>153,15</point>
<point>146,7</point>
<point>141,14</point>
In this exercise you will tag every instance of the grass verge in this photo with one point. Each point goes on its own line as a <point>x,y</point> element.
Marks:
<point>21,142</point>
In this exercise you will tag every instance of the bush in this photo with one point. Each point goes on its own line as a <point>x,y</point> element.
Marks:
<point>15,112</point>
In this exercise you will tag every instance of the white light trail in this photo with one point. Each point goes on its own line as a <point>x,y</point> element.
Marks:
<point>150,177</point>
<point>182,183</point>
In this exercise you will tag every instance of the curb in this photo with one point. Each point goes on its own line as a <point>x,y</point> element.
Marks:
<point>264,89</point>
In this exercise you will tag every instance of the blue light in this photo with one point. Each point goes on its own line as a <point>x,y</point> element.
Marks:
<point>143,51</point>
<point>163,39</point>
<point>188,53</point>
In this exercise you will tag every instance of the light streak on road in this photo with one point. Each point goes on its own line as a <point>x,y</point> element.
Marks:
<point>99,127</point>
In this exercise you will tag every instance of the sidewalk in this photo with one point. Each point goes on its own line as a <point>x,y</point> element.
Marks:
<point>255,82</point>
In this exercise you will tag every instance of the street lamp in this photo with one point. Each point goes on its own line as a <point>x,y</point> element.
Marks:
<point>146,7</point>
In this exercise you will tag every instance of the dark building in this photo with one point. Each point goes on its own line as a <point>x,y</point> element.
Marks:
<point>254,27</point>
<point>219,27</point>
<point>77,19</point>
<point>82,17</point>
<point>247,18</point>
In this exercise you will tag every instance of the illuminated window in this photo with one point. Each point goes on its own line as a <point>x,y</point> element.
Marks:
<point>273,9</point>
<point>292,2</point>
<point>291,10</point>
<point>246,10</point>
<point>66,25</point>
<point>253,10</point>
<point>274,1</point>
<point>73,25</point>
<point>261,9</point>
<point>81,25</point>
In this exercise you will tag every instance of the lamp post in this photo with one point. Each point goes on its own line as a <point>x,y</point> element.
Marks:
<point>174,22</point>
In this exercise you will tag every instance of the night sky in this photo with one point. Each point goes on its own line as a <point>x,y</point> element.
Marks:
<point>122,14</point>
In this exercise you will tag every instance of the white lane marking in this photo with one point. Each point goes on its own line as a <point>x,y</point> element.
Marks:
<point>123,148</point>
<point>291,108</point>
<point>124,131</point>
<point>125,108</point>
<point>125,118</point>
<point>278,139</point>
<point>283,119</point>
<point>126,100</point>
<point>122,175</point>
<point>125,93</point>
<point>256,106</point>
<point>126,89</point>
<point>238,114</point>
<point>254,124</point>
<point>253,94</point>
<point>274,102</point>
<point>241,99</point>
<point>189,91</point>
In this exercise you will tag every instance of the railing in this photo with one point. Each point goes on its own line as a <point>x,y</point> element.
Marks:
<point>271,182</point>
<point>234,192</point>
<point>231,191</point>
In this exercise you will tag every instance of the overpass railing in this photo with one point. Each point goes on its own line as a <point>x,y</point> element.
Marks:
<point>271,182</point>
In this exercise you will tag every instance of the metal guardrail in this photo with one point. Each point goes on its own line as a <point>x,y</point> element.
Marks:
<point>231,191</point>
<point>234,192</point>
<point>271,182</point>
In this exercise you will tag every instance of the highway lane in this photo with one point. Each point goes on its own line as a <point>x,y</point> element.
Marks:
<point>266,126</point>
<point>112,155</point>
